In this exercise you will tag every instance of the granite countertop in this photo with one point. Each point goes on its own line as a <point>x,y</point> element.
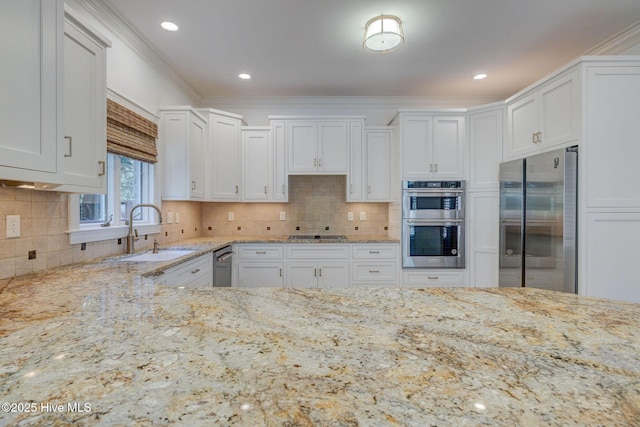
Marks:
<point>100,344</point>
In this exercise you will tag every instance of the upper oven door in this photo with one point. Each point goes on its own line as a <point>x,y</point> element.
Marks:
<point>433,204</point>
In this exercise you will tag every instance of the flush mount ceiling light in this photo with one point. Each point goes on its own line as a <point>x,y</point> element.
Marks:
<point>383,34</point>
<point>169,26</point>
<point>480,76</point>
<point>244,76</point>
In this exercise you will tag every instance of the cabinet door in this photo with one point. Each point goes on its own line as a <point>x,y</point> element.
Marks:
<point>302,141</point>
<point>302,275</point>
<point>256,162</point>
<point>560,103</point>
<point>448,147</point>
<point>522,124</point>
<point>226,160</point>
<point>378,166</point>
<point>173,131</point>
<point>333,146</point>
<point>483,226</point>
<point>355,179</point>
<point>197,138</point>
<point>485,149</point>
<point>280,191</point>
<point>417,146</point>
<point>32,74</point>
<point>260,274</point>
<point>85,146</point>
<point>333,275</point>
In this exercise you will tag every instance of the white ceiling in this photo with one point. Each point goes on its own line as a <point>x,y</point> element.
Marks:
<point>314,47</point>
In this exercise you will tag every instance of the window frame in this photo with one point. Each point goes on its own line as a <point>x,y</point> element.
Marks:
<point>94,232</point>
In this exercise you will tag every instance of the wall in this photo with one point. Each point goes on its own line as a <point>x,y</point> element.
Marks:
<point>315,202</point>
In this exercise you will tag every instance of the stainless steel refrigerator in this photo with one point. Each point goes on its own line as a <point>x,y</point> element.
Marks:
<point>538,221</point>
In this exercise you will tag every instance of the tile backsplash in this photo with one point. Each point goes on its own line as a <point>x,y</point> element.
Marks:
<point>315,204</point>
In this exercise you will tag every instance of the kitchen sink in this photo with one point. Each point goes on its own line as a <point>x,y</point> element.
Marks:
<point>317,237</point>
<point>162,255</point>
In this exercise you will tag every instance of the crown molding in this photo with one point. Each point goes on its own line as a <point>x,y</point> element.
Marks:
<point>343,102</point>
<point>619,43</point>
<point>122,28</point>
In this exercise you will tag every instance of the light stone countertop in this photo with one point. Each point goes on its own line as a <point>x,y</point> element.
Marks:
<point>104,335</point>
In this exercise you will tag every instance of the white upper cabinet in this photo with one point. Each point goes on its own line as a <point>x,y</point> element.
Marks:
<point>318,146</point>
<point>543,118</point>
<point>485,147</point>
<point>85,118</point>
<point>256,164</point>
<point>432,146</point>
<point>183,141</point>
<point>280,191</point>
<point>31,102</point>
<point>370,171</point>
<point>224,164</point>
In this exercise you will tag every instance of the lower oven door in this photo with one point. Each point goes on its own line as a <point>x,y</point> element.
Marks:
<point>433,244</point>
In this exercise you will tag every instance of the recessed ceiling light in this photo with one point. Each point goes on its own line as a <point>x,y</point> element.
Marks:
<point>480,76</point>
<point>169,26</point>
<point>244,76</point>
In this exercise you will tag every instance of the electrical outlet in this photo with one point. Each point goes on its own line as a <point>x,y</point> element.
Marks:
<point>13,226</point>
<point>283,216</point>
<point>231,217</point>
<point>349,216</point>
<point>177,217</point>
<point>363,216</point>
<point>169,217</point>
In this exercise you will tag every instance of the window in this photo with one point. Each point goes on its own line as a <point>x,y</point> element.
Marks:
<point>105,216</point>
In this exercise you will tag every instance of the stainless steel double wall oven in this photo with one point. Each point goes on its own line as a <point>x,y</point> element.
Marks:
<point>433,224</point>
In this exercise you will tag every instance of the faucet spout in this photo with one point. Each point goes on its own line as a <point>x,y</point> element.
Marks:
<point>131,238</point>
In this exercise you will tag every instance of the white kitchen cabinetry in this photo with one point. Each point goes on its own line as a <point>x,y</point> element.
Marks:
<point>543,118</point>
<point>224,161</point>
<point>260,265</point>
<point>370,166</point>
<point>280,181</point>
<point>433,279</point>
<point>31,106</point>
<point>374,265</point>
<point>317,265</point>
<point>257,161</point>
<point>85,117</point>
<point>318,146</point>
<point>433,146</point>
<point>183,140</point>
<point>486,135</point>
<point>195,273</point>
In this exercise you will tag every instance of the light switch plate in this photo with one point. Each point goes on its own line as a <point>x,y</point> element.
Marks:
<point>177,217</point>
<point>349,216</point>
<point>231,217</point>
<point>363,216</point>
<point>13,226</point>
<point>283,216</point>
<point>169,217</point>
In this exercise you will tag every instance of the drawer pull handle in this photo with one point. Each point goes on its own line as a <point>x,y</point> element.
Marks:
<point>374,271</point>
<point>261,252</point>
<point>374,252</point>
<point>70,139</point>
<point>193,185</point>
<point>197,270</point>
<point>103,167</point>
<point>432,277</point>
<point>315,272</point>
<point>280,272</point>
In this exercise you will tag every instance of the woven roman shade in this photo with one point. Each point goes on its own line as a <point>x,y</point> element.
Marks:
<point>129,134</point>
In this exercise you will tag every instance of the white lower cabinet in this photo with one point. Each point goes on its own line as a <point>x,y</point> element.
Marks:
<point>433,279</point>
<point>260,274</point>
<point>259,265</point>
<point>195,273</point>
<point>318,265</point>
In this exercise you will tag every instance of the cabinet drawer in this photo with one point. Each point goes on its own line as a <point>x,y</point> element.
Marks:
<point>374,251</point>
<point>260,274</point>
<point>317,251</point>
<point>260,251</point>
<point>433,279</point>
<point>195,274</point>
<point>374,272</point>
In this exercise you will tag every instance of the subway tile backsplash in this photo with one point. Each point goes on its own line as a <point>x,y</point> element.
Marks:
<point>315,204</point>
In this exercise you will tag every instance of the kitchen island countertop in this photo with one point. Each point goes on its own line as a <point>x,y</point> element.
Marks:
<point>100,344</point>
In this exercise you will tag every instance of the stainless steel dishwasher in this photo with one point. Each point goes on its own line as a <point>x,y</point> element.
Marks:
<point>222,267</point>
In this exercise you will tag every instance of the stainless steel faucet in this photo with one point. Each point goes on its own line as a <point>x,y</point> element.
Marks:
<point>131,238</point>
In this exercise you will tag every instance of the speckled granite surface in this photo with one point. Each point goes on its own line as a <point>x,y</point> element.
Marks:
<point>99,344</point>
